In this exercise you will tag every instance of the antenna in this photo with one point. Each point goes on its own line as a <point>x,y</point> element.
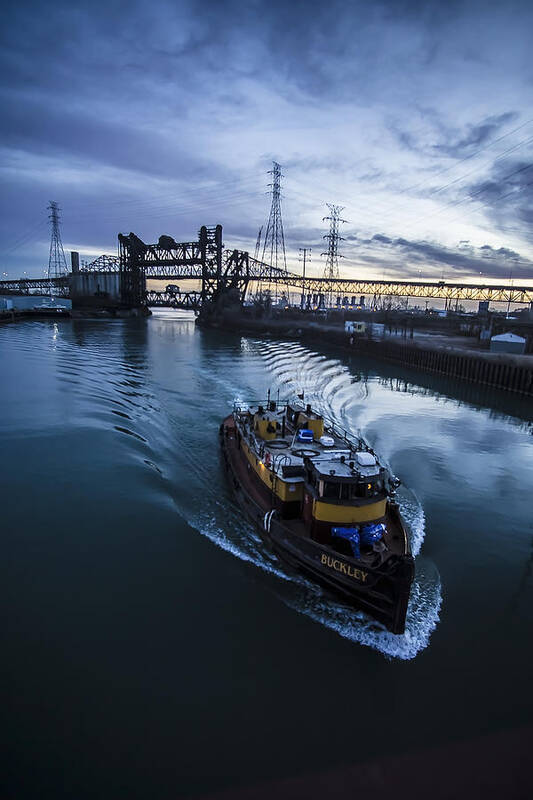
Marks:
<point>331,270</point>
<point>57,265</point>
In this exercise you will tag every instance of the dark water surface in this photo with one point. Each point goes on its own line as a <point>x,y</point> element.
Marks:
<point>151,648</point>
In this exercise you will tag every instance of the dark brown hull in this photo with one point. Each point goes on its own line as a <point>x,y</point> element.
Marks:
<point>380,591</point>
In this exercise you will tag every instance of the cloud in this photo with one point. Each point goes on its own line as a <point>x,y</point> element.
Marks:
<point>165,117</point>
<point>506,195</point>
<point>476,135</point>
<point>412,258</point>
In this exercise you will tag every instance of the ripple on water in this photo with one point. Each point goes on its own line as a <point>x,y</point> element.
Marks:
<point>156,428</point>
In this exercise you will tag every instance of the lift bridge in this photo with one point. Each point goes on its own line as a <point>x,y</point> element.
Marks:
<point>217,270</point>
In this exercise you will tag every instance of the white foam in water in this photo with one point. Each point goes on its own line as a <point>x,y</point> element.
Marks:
<point>422,617</point>
<point>414,517</point>
<point>308,599</point>
<point>244,549</point>
<point>241,540</point>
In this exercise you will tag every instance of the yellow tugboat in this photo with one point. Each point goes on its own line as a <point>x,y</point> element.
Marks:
<point>323,503</point>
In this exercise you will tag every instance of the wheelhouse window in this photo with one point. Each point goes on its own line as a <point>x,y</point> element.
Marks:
<point>369,488</point>
<point>331,490</point>
<point>345,492</point>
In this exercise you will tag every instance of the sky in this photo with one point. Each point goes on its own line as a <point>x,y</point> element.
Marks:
<point>157,118</point>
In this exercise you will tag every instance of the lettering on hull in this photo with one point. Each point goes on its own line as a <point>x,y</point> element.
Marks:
<point>346,569</point>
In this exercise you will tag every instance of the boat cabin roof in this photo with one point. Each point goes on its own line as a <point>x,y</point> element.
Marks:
<point>299,408</point>
<point>331,466</point>
<point>289,458</point>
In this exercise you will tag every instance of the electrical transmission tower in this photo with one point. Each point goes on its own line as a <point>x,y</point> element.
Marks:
<point>331,270</point>
<point>258,243</point>
<point>57,265</point>
<point>274,242</point>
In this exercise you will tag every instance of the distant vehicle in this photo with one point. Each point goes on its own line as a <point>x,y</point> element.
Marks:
<point>172,288</point>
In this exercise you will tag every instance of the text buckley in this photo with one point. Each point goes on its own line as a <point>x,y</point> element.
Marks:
<point>346,569</point>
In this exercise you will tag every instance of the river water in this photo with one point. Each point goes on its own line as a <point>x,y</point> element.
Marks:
<point>152,647</point>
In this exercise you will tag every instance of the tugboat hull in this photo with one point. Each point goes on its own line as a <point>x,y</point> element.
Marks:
<point>380,590</point>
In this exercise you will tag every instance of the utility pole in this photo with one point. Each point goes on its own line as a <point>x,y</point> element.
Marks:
<point>306,254</point>
<point>331,270</point>
<point>274,242</point>
<point>256,256</point>
<point>57,264</point>
<point>510,284</point>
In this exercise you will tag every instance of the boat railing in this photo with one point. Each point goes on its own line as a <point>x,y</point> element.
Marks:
<point>354,442</point>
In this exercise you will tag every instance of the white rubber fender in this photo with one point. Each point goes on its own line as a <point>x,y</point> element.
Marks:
<point>267,521</point>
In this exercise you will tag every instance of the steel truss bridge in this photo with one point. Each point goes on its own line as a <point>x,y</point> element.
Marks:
<point>220,270</point>
<point>60,286</point>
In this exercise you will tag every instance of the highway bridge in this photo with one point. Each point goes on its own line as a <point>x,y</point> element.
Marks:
<point>218,270</point>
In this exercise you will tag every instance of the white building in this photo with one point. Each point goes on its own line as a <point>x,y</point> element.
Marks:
<point>507,343</point>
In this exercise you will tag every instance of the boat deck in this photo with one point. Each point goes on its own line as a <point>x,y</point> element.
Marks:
<point>287,451</point>
<point>394,537</point>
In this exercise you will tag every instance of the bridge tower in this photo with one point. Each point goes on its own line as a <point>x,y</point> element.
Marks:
<point>57,264</point>
<point>211,255</point>
<point>132,252</point>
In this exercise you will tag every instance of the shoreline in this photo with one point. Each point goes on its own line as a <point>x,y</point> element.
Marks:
<point>448,356</point>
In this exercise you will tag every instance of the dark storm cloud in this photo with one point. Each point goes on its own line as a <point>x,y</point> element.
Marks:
<point>414,258</point>
<point>506,196</point>
<point>475,135</point>
<point>36,128</point>
<point>124,99</point>
<point>441,138</point>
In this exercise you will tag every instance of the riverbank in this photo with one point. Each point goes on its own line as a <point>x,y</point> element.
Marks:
<point>17,314</point>
<point>454,356</point>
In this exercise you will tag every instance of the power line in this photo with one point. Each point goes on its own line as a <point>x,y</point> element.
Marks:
<point>467,158</point>
<point>388,210</point>
<point>501,197</point>
<point>156,211</point>
<point>472,171</point>
<point>470,197</point>
<point>167,197</point>
<point>25,238</point>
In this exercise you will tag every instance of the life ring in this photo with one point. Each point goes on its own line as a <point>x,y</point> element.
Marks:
<point>277,444</point>
<point>305,452</point>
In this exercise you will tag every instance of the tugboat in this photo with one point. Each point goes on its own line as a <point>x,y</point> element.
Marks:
<point>323,503</point>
